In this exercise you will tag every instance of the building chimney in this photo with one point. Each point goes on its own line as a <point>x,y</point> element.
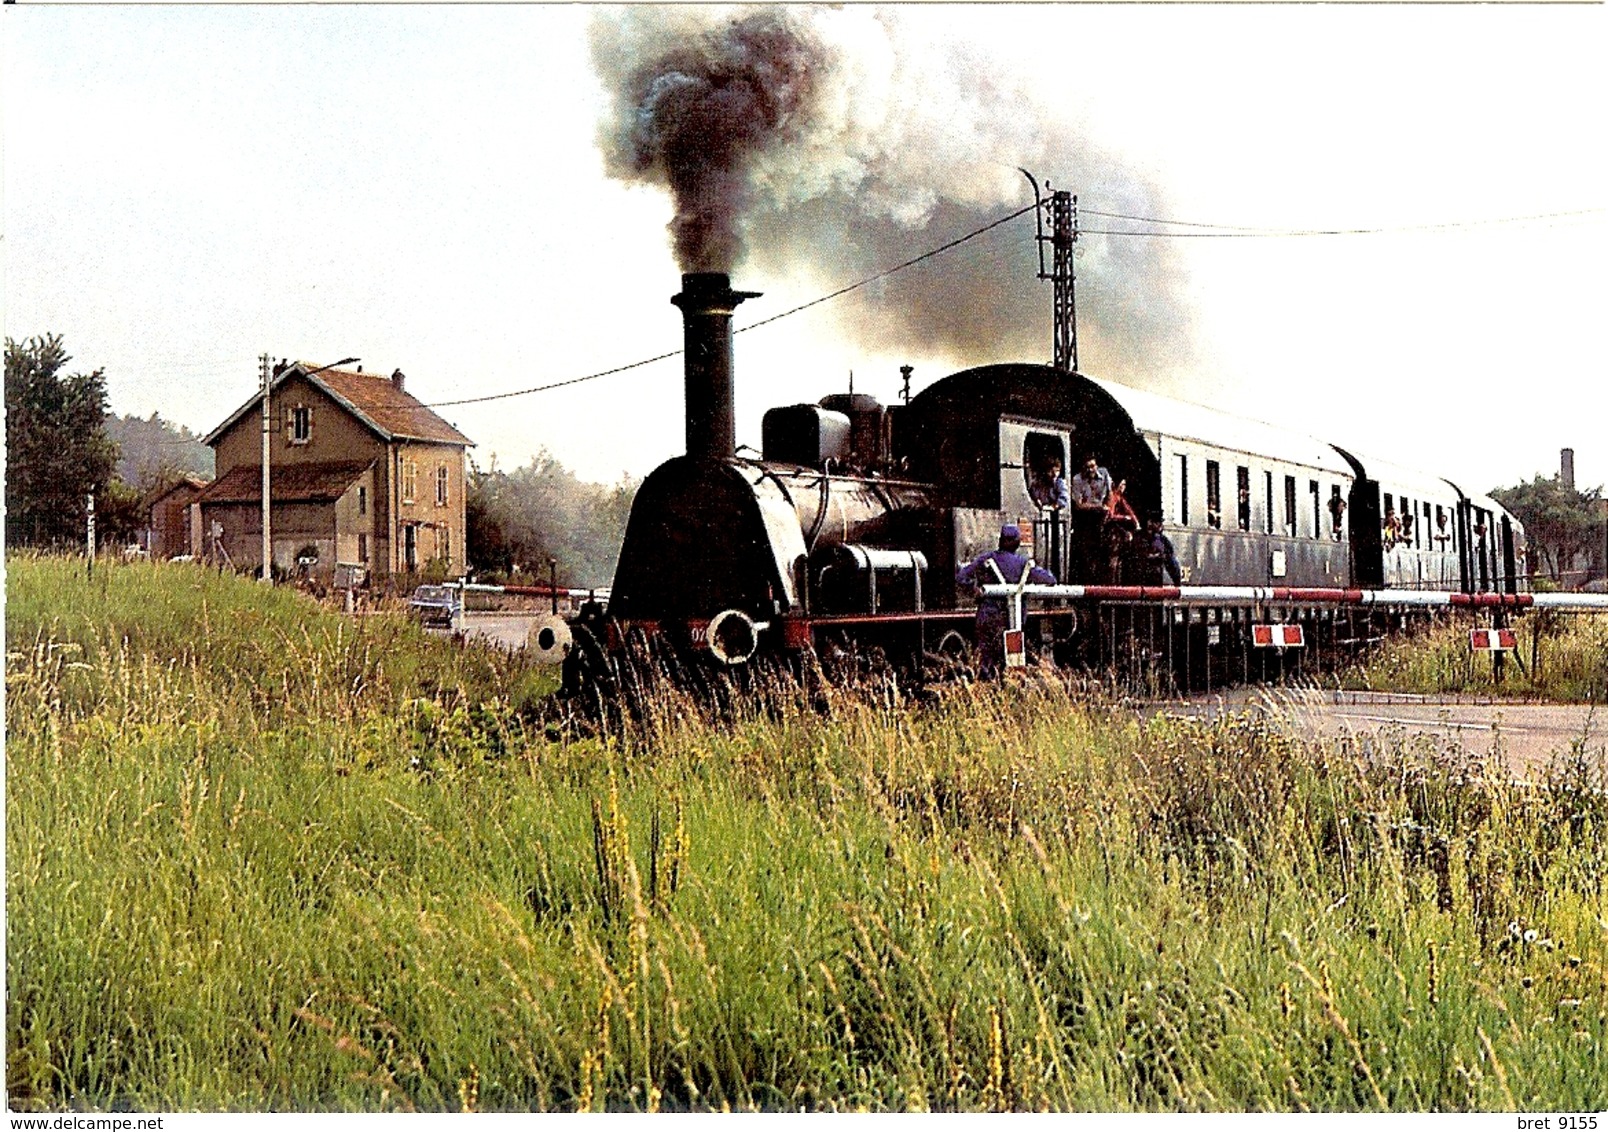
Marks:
<point>1566,468</point>
<point>707,302</point>
<point>397,378</point>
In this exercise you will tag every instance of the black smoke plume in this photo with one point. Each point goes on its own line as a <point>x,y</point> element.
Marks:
<point>700,113</point>
<point>827,144</point>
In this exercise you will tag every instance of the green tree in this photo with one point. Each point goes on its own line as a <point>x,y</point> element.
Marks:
<point>518,520</point>
<point>1564,526</point>
<point>153,453</point>
<point>57,450</point>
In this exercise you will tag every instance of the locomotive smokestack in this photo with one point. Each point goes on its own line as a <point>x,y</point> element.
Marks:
<point>707,302</point>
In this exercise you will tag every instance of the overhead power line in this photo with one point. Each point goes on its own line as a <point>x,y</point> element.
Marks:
<point>1231,231</point>
<point>955,243</point>
<point>1217,231</point>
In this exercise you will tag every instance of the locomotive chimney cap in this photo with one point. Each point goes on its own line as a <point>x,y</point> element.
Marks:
<point>710,291</point>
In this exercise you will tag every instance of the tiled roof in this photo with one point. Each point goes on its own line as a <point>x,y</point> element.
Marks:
<point>372,398</point>
<point>289,483</point>
<point>188,480</point>
<point>376,398</point>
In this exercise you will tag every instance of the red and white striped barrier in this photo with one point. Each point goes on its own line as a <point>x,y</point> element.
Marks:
<point>1278,636</point>
<point>1295,595</point>
<point>1492,640</point>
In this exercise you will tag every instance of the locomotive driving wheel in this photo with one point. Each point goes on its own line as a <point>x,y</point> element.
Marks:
<point>951,657</point>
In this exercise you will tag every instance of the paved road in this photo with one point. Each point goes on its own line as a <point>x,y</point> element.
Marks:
<point>1529,734</point>
<point>505,630</point>
<point>508,630</point>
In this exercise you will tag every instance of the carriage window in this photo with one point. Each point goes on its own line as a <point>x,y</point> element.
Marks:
<point>1337,512</point>
<point>1442,531</point>
<point>1043,463</point>
<point>1214,494</point>
<point>1317,509</point>
<point>1289,505</point>
<point>1183,491</point>
<point>1407,523</point>
<point>1243,483</point>
<point>1267,519</point>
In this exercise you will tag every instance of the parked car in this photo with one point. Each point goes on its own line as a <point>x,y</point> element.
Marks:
<point>437,605</point>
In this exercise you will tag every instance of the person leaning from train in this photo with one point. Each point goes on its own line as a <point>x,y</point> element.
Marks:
<point>998,567</point>
<point>1091,488</point>
<point>1158,555</point>
<point>1048,486</point>
<point>1121,525</point>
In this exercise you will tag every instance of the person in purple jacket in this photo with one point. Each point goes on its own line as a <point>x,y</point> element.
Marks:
<point>1004,565</point>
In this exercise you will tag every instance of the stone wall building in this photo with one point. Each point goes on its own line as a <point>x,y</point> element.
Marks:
<point>361,473</point>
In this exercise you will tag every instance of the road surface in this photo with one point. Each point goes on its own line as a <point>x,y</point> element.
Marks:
<point>1529,734</point>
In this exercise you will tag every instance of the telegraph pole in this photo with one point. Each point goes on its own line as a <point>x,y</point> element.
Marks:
<point>89,537</point>
<point>1063,210</point>
<point>1064,226</point>
<point>266,368</point>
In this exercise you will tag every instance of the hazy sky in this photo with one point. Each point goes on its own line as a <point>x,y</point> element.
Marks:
<point>187,187</point>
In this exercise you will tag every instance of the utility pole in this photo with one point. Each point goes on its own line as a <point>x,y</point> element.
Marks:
<point>266,367</point>
<point>1063,210</point>
<point>1064,225</point>
<point>89,537</point>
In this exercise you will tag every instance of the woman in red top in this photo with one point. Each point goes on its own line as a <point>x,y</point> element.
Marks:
<point>1122,523</point>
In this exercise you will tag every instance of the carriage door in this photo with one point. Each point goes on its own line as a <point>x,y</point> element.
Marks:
<point>1367,546</point>
<point>1029,453</point>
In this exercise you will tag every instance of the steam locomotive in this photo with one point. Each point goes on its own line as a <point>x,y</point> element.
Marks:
<point>847,532</point>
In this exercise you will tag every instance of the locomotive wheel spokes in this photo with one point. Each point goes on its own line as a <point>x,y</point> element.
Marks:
<point>952,657</point>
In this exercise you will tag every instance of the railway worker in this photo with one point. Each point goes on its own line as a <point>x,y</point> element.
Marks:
<point>1158,554</point>
<point>1048,487</point>
<point>1002,566</point>
<point>1091,489</point>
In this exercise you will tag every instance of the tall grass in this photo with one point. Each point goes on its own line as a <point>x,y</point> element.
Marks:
<point>233,883</point>
<point>1560,657</point>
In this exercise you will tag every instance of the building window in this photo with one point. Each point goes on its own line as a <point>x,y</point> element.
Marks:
<point>362,548</point>
<point>362,501</point>
<point>301,424</point>
<point>410,481</point>
<point>410,547</point>
<point>441,486</point>
<point>1214,494</point>
<point>446,542</point>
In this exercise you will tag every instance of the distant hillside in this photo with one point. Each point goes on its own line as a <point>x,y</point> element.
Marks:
<point>152,450</point>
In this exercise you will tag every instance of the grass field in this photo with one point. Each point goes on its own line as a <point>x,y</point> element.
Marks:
<point>1561,657</point>
<point>263,857</point>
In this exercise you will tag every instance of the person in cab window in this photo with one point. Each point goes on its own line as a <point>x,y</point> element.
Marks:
<point>1337,511</point>
<point>1091,488</point>
<point>1048,486</point>
<point>1003,566</point>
